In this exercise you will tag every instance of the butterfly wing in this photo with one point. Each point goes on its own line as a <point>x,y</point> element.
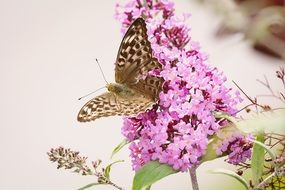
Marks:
<point>110,104</point>
<point>135,60</point>
<point>134,104</point>
<point>101,106</point>
<point>150,86</point>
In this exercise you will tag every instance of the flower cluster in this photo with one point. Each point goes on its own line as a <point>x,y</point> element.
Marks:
<point>160,19</point>
<point>177,130</point>
<point>68,159</point>
<point>147,9</point>
<point>234,144</point>
<point>71,160</point>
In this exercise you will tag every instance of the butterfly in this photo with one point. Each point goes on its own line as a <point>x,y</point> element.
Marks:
<point>134,91</point>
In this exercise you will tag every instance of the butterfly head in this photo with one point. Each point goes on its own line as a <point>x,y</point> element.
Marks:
<point>119,89</point>
<point>115,88</point>
<point>110,87</point>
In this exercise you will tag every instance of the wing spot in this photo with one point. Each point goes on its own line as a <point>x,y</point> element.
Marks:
<point>132,43</point>
<point>146,48</point>
<point>132,51</point>
<point>131,60</point>
<point>121,60</point>
<point>124,55</point>
<point>131,32</point>
<point>137,46</point>
<point>139,53</point>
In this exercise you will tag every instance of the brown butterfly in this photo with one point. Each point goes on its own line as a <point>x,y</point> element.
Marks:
<point>134,91</point>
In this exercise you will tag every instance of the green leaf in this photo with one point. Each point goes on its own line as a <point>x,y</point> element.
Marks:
<point>119,147</point>
<point>268,121</point>
<point>210,152</point>
<point>225,115</point>
<point>147,188</point>
<point>211,148</point>
<point>267,149</point>
<point>257,159</point>
<point>88,186</point>
<point>108,168</point>
<point>151,173</point>
<point>231,174</point>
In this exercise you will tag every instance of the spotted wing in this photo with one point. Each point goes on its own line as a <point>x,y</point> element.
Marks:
<point>101,106</point>
<point>134,104</point>
<point>135,60</point>
<point>150,86</point>
<point>109,104</point>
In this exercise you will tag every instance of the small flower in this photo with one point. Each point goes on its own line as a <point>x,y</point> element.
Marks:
<point>234,144</point>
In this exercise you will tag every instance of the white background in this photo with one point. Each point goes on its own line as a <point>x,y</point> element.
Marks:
<point>47,51</point>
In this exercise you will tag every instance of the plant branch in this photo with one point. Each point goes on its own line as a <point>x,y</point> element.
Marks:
<point>116,186</point>
<point>193,177</point>
<point>266,180</point>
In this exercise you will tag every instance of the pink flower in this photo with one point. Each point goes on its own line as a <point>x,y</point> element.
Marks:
<point>234,144</point>
<point>178,129</point>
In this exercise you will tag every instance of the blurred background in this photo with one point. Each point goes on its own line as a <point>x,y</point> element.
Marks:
<point>47,52</point>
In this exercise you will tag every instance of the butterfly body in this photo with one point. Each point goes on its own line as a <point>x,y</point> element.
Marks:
<point>135,90</point>
<point>120,89</point>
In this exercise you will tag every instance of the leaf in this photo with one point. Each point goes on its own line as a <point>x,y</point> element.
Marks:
<point>88,186</point>
<point>108,168</point>
<point>211,152</point>
<point>231,174</point>
<point>267,149</point>
<point>119,147</point>
<point>151,173</point>
<point>147,188</point>
<point>257,159</point>
<point>212,146</point>
<point>224,115</point>
<point>268,121</point>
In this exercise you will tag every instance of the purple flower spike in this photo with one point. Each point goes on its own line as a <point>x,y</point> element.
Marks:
<point>177,130</point>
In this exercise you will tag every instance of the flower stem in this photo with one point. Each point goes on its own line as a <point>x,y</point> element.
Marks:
<point>116,186</point>
<point>193,177</point>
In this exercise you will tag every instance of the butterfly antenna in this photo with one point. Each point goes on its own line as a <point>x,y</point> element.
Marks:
<point>91,93</point>
<point>101,71</point>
